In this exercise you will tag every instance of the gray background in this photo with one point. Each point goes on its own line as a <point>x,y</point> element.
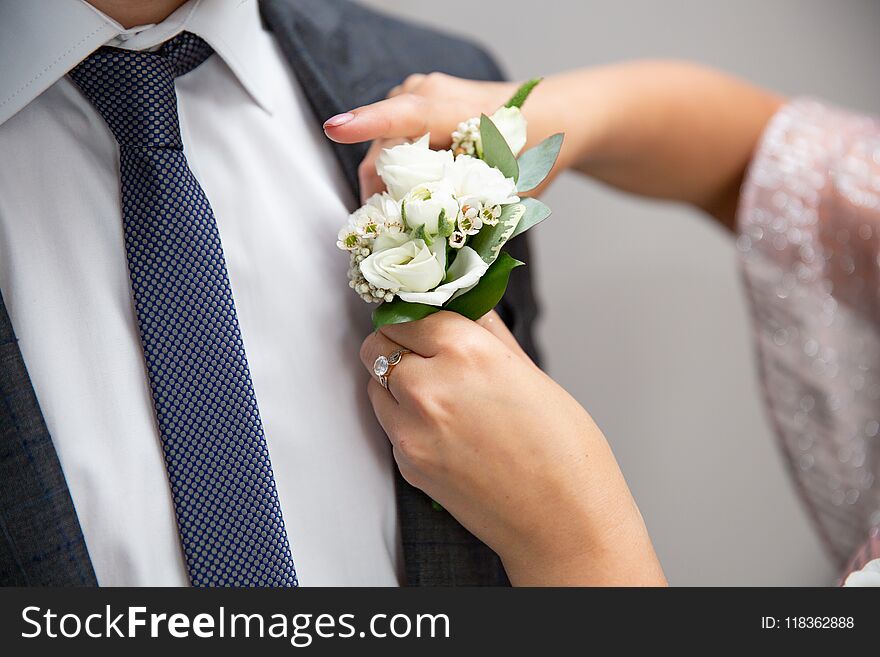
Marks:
<point>644,318</point>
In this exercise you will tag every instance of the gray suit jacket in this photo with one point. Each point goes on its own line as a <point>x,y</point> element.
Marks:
<point>344,56</point>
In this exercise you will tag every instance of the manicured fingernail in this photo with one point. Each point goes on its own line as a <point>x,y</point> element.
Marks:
<point>338,120</point>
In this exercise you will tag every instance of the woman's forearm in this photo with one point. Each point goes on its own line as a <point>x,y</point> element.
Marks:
<point>616,552</point>
<point>663,129</point>
<point>657,128</point>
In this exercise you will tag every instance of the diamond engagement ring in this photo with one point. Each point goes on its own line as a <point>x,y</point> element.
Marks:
<point>384,364</point>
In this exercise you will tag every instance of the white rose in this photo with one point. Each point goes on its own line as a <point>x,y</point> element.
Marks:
<point>463,274</point>
<point>474,180</point>
<point>407,165</point>
<point>389,239</point>
<point>512,125</point>
<point>424,204</point>
<point>409,267</point>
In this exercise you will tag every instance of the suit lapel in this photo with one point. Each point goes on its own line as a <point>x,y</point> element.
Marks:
<point>304,33</point>
<point>41,543</point>
<point>345,56</point>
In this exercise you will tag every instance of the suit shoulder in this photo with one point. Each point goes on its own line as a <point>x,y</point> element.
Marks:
<point>456,54</point>
<point>424,48</point>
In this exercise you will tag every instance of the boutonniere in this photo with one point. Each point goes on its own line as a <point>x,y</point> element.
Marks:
<point>435,239</point>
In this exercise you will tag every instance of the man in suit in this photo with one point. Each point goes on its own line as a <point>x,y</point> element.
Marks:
<point>182,401</point>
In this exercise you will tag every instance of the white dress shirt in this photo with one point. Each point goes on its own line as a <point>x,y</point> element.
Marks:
<point>279,198</point>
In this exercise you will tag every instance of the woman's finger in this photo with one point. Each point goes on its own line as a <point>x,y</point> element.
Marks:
<point>413,82</point>
<point>386,408</point>
<point>407,115</point>
<point>493,323</point>
<point>429,336</point>
<point>370,183</point>
<point>408,86</point>
<point>376,345</point>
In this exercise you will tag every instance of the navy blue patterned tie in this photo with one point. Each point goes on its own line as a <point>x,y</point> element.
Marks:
<point>218,465</point>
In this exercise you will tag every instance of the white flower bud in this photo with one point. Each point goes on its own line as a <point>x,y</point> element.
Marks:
<point>424,205</point>
<point>457,239</point>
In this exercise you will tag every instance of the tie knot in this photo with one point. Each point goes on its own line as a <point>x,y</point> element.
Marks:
<point>134,90</point>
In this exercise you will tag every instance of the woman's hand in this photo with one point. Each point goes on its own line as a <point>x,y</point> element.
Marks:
<point>663,129</point>
<point>478,427</point>
<point>434,103</point>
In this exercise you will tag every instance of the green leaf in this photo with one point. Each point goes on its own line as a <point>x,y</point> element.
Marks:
<point>421,234</point>
<point>482,298</point>
<point>399,311</point>
<point>522,93</point>
<point>496,152</point>
<point>490,239</point>
<point>535,213</point>
<point>445,226</point>
<point>536,163</point>
<point>473,304</point>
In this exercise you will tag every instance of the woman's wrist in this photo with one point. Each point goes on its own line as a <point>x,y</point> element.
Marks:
<point>664,129</point>
<point>622,556</point>
<point>587,532</point>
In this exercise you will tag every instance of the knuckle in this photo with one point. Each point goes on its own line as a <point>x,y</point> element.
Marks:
<point>435,79</point>
<point>420,397</point>
<point>412,454</point>
<point>467,345</point>
<point>434,406</point>
<point>405,446</point>
<point>413,81</point>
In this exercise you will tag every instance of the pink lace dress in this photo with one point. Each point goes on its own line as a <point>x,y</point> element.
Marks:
<point>809,236</point>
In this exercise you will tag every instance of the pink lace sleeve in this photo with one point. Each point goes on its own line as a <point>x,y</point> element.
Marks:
<point>809,235</point>
<point>863,556</point>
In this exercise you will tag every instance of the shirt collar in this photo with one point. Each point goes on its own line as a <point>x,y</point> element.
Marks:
<point>41,41</point>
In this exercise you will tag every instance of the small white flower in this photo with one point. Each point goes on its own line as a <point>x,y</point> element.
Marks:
<point>367,222</point>
<point>490,214</point>
<point>408,165</point>
<point>348,238</point>
<point>457,239</point>
<point>471,210</point>
<point>466,138</point>
<point>389,210</point>
<point>470,221</point>
<point>379,215</point>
